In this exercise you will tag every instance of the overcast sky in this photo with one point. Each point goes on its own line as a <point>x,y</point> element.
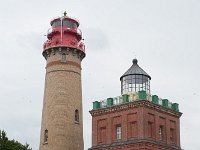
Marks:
<point>164,35</point>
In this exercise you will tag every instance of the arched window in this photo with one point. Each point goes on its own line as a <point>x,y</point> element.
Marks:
<point>76,115</point>
<point>46,136</point>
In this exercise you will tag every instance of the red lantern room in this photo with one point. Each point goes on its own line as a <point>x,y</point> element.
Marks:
<point>64,32</point>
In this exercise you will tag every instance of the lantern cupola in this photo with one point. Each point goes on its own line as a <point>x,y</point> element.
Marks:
<point>64,32</point>
<point>135,79</point>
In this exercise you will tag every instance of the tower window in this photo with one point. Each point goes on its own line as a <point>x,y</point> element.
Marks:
<point>46,136</point>
<point>118,132</point>
<point>76,116</point>
<point>161,133</point>
<point>63,58</point>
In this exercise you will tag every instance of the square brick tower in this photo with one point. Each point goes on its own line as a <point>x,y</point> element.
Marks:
<point>136,120</point>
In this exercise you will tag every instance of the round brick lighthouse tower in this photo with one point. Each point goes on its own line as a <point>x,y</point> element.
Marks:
<point>62,122</point>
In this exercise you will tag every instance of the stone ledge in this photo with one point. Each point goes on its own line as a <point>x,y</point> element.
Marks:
<point>135,104</point>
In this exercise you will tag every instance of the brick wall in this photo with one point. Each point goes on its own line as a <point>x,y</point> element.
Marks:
<point>62,99</point>
<point>139,121</point>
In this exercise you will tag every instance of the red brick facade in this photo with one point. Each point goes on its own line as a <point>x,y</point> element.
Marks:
<point>143,125</point>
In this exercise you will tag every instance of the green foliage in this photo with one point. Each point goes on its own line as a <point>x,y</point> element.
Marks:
<point>6,144</point>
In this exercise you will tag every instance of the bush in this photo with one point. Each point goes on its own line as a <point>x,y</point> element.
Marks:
<point>6,144</point>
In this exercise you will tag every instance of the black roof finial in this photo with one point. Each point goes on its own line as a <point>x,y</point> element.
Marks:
<point>65,13</point>
<point>135,61</point>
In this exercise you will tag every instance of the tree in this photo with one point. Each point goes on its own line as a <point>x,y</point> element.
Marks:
<point>6,144</point>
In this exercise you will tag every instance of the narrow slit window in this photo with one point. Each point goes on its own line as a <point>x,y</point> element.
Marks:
<point>46,136</point>
<point>76,115</point>
<point>63,58</point>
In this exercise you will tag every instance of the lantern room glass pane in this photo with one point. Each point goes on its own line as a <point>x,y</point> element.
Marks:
<point>135,83</point>
<point>56,24</point>
<point>65,23</point>
<point>69,24</point>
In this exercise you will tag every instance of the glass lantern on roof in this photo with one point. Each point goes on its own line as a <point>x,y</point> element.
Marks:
<point>135,79</point>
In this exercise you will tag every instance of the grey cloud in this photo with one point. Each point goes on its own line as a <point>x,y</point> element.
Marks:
<point>165,35</point>
<point>32,40</point>
<point>95,39</point>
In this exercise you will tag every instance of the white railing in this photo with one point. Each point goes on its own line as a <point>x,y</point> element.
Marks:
<point>160,101</point>
<point>117,100</point>
<point>79,32</point>
<point>132,96</point>
<point>103,103</point>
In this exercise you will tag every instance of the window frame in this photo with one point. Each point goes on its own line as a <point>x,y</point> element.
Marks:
<point>118,132</point>
<point>161,133</point>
